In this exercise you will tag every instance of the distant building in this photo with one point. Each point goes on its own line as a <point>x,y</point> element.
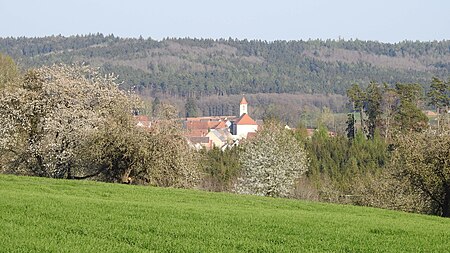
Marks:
<point>220,137</point>
<point>142,121</point>
<point>244,124</point>
<point>243,106</point>
<point>199,142</point>
<point>221,131</point>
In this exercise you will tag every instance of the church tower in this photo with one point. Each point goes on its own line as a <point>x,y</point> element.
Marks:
<point>243,107</point>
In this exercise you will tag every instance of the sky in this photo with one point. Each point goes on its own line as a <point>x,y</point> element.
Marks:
<point>383,20</point>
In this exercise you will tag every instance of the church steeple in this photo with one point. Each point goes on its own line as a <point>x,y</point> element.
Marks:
<point>243,107</point>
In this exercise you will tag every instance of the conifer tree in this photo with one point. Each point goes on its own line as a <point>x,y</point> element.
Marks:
<point>408,116</point>
<point>373,107</point>
<point>357,97</point>
<point>439,98</point>
<point>350,126</point>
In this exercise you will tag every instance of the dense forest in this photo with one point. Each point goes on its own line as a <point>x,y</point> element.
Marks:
<point>296,81</point>
<point>204,67</point>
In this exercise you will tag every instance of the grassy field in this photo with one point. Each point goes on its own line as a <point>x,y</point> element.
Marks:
<point>45,215</point>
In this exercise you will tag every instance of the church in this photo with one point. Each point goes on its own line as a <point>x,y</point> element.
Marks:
<point>221,131</point>
<point>244,124</point>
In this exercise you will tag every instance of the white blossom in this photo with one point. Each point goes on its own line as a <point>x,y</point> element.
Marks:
<point>271,163</point>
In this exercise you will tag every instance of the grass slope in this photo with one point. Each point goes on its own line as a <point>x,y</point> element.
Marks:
<point>45,215</point>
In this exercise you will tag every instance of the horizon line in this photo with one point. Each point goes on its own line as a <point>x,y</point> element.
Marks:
<point>219,39</point>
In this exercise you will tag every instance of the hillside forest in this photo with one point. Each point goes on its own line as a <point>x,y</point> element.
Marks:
<point>216,73</point>
<point>76,121</point>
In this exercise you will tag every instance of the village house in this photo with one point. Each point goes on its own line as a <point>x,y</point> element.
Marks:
<point>221,131</point>
<point>142,121</point>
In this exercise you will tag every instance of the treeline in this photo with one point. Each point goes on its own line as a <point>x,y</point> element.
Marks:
<point>199,67</point>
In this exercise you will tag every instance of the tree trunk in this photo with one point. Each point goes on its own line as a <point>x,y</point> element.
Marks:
<point>38,168</point>
<point>446,204</point>
<point>438,119</point>
<point>69,172</point>
<point>126,177</point>
<point>386,134</point>
<point>361,118</point>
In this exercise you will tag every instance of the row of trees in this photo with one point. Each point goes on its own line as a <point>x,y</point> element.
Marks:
<point>390,110</point>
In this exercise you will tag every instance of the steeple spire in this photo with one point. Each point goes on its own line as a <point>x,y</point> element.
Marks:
<point>243,106</point>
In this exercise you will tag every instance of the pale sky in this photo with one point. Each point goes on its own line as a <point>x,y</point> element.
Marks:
<point>382,20</point>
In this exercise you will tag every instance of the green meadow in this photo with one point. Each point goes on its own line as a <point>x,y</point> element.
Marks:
<point>48,215</point>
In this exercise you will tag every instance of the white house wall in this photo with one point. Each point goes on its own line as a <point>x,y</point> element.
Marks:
<point>243,130</point>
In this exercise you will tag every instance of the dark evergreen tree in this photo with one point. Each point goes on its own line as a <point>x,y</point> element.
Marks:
<point>357,97</point>
<point>373,107</point>
<point>155,106</point>
<point>350,130</point>
<point>439,98</point>
<point>191,107</point>
<point>408,116</point>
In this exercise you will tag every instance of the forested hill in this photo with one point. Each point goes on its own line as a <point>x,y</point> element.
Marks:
<point>228,66</point>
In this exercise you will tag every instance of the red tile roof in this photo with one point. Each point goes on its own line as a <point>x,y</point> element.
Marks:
<point>243,101</point>
<point>197,132</point>
<point>221,125</point>
<point>202,124</point>
<point>196,125</point>
<point>142,121</point>
<point>142,118</point>
<point>245,120</point>
<point>211,118</point>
